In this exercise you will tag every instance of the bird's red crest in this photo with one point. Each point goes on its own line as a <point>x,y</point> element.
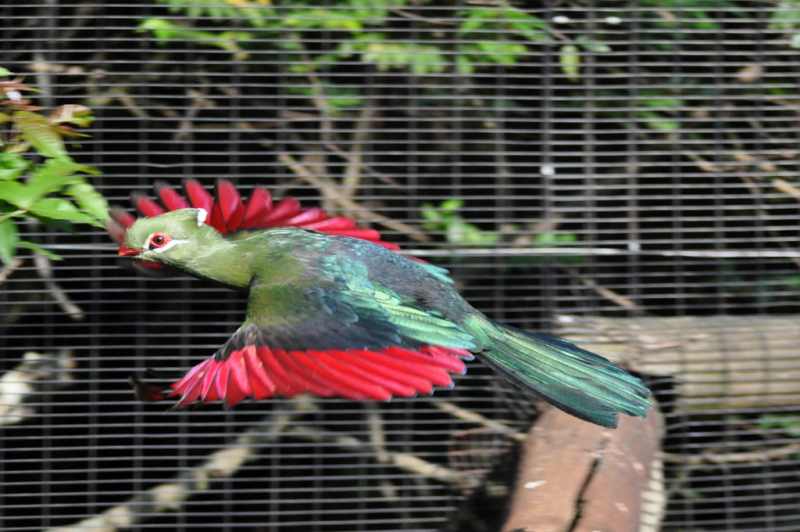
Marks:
<point>228,213</point>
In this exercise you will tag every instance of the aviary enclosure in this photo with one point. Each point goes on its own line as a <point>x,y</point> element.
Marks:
<point>624,174</point>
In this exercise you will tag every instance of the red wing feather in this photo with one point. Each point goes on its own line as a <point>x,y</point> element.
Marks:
<point>284,385</point>
<point>300,370</point>
<point>241,379</point>
<point>261,372</point>
<point>222,380</point>
<point>400,384</point>
<point>260,382</point>
<point>209,391</point>
<point>353,379</point>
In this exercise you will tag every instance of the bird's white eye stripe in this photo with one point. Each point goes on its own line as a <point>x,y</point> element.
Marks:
<point>202,214</point>
<point>169,245</point>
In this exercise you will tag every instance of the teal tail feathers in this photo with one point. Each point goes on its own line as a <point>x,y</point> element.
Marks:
<point>575,380</point>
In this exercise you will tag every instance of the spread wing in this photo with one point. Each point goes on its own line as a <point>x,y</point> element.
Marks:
<point>345,337</point>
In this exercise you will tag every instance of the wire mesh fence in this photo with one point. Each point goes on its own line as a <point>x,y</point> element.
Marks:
<point>623,173</point>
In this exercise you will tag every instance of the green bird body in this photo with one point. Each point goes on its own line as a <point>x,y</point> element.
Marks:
<point>339,316</point>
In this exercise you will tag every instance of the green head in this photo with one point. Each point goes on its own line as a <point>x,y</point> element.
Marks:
<point>174,238</point>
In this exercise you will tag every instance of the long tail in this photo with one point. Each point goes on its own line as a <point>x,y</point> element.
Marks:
<point>575,380</point>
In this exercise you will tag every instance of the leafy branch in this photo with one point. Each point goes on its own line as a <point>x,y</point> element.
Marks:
<point>38,178</point>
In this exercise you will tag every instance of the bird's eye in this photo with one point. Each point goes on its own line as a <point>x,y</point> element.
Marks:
<point>157,240</point>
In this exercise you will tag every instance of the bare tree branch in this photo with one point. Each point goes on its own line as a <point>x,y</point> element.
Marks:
<point>474,417</point>
<point>10,268</point>
<point>747,457</point>
<point>172,495</point>
<point>331,191</point>
<point>35,374</point>
<point>45,270</point>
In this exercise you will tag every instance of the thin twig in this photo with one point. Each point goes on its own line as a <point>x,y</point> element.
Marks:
<point>352,174</point>
<point>10,268</point>
<point>186,125</point>
<point>755,190</point>
<point>474,417</point>
<point>377,436</point>
<point>607,293</point>
<point>130,104</point>
<point>380,176</point>
<point>328,138</point>
<point>786,187</point>
<point>45,270</point>
<point>419,18</point>
<point>748,457</point>
<point>331,191</point>
<point>404,461</point>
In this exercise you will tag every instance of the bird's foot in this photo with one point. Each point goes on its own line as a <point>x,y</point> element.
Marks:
<point>148,392</point>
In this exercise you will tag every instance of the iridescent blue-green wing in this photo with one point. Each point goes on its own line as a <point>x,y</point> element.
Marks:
<point>341,336</point>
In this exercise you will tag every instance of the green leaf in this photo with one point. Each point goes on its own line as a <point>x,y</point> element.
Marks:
<point>786,17</point>
<point>570,61</point>
<point>89,200</point>
<point>790,424</point>
<point>17,194</point>
<point>475,19</point>
<point>165,31</point>
<point>451,205</point>
<point>532,28</point>
<point>55,174</point>
<point>12,165</point>
<point>373,12</point>
<point>431,216</point>
<point>660,103</point>
<point>386,54</point>
<point>658,121</point>
<point>328,19</point>
<point>503,53</point>
<point>551,239</point>
<point>61,209</point>
<point>9,237</point>
<point>464,65</point>
<point>503,20</point>
<point>39,133</point>
<point>39,250</point>
<point>592,45</point>
<point>5,72</point>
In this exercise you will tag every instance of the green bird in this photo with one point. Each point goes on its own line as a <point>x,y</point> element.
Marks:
<point>337,316</point>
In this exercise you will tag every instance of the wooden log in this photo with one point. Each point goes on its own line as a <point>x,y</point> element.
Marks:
<point>578,477</point>
<point>716,361</point>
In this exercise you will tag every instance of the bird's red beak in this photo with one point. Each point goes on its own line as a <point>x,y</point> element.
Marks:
<point>125,251</point>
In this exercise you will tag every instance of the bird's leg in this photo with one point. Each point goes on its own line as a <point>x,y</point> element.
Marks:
<point>148,392</point>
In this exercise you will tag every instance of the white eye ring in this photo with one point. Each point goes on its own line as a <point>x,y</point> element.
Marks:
<point>169,245</point>
<point>202,214</point>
